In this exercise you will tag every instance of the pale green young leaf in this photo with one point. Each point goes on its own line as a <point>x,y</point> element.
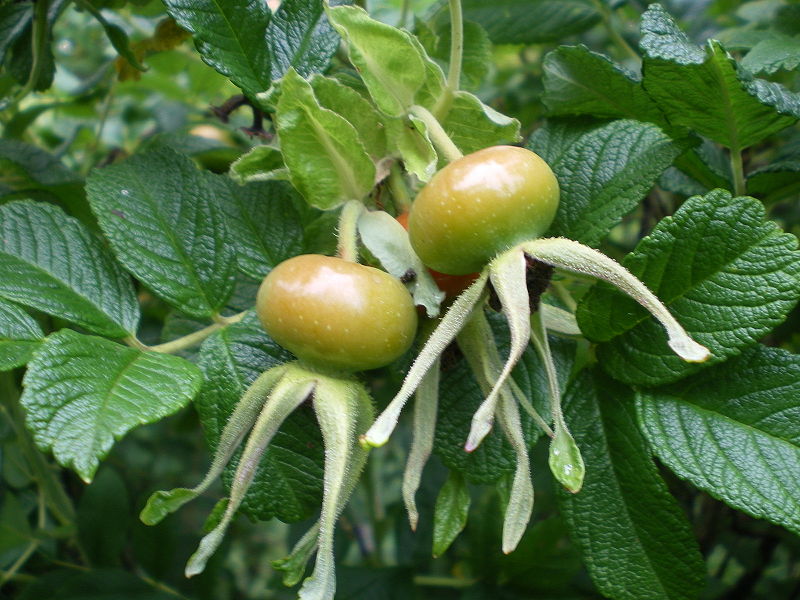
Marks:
<point>82,393</point>
<point>705,90</point>
<point>390,64</point>
<point>473,125</point>
<point>732,432</point>
<point>410,142</point>
<point>450,514</point>
<point>781,52</point>
<point>327,161</point>
<point>165,225</point>
<point>635,540</point>
<point>53,263</point>
<point>261,163</point>
<point>725,273</point>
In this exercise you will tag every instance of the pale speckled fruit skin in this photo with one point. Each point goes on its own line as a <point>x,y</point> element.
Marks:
<point>481,204</point>
<point>336,313</point>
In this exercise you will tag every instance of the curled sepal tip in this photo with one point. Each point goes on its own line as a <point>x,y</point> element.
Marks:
<point>575,257</point>
<point>162,503</point>
<point>287,395</point>
<point>443,335</point>
<point>425,407</point>
<point>343,408</point>
<point>565,460</point>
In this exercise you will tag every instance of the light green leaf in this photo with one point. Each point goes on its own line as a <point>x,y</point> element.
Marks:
<point>162,219</point>
<point>726,275</point>
<point>390,64</point>
<point>20,336</point>
<point>603,172</point>
<point>327,162</point>
<point>357,110</point>
<point>477,54</point>
<point>732,431</point>
<point>705,90</point>
<point>231,36</point>
<point>411,143</point>
<point>262,163</point>
<point>450,514</point>
<point>82,393</point>
<point>473,125</point>
<point>51,262</point>
<point>635,540</point>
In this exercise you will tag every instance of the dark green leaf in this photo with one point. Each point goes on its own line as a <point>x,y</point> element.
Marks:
<point>14,18</point>
<point>20,335</point>
<point>288,483</point>
<point>83,392</point>
<point>777,181</point>
<point>160,215</point>
<point>634,538</point>
<point>732,431</point>
<point>300,36</point>
<point>327,162</point>
<point>706,91</point>
<point>450,514</point>
<point>54,264</point>
<point>98,584</point>
<point>264,225</point>
<point>726,275</point>
<point>101,530</point>
<point>578,81</point>
<point>604,173</point>
<point>531,21</point>
<point>231,36</point>
<point>15,531</point>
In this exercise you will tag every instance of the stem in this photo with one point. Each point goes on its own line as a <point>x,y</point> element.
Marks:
<point>438,135</point>
<point>38,44</point>
<point>615,36</point>
<point>456,53</point>
<point>192,339</point>
<point>737,168</point>
<point>402,199</point>
<point>404,10</point>
<point>444,582</point>
<point>347,248</point>
<point>564,295</point>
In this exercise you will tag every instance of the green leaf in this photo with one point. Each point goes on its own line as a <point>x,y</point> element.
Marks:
<point>14,18</point>
<point>477,55</point>
<point>473,125</point>
<point>20,336</point>
<point>732,431</point>
<point>160,215</point>
<point>54,264</point>
<point>117,36</point>
<point>776,181</point>
<point>450,514</point>
<point>92,584</point>
<point>15,530</point>
<point>531,21</point>
<point>357,110</point>
<point>261,163</point>
<point>724,273</point>
<point>299,36</point>
<point>327,162</point>
<point>264,225</point>
<point>412,146</point>
<point>102,533</point>
<point>781,52</point>
<point>83,392</point>
<point>578,81</point>
<point>706,90</point>
<point>390,63</point>
<point>604,173</point>
<point>29,172</point>
<point>634,538</point>
<point>231,36</point>
<point>288,483</point>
